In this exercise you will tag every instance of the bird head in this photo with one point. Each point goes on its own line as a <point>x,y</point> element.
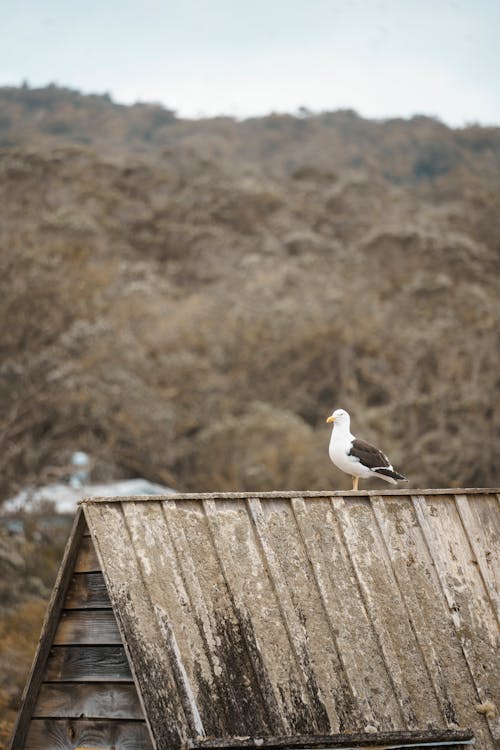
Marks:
<point>340,417</point>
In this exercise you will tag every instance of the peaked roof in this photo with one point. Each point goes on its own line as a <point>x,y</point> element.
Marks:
<point>279,614</point>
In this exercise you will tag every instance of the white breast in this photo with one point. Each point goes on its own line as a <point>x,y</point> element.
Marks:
<point>340,445</point>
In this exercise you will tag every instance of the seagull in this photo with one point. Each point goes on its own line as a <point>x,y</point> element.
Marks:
<point>357,457</point>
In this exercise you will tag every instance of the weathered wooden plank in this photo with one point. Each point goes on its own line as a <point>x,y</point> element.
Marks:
<point>287,561</point>
<point>153,656</point>
<point>48,629</point>
<point>458,568</point>
<point>388,614</point>
<point>182,629</point>
<point>351,628</point>
<point>87,664</point>
<point>463,588</point>
<point>401,568</point>
<point>179,631</point>
<point>252,699</point>
<point>88,701</point>
<point>87,627</point>
<point>430,617</point>
<point>352,740</point>
<point>272,670</point>
<point>78,734</point>
<point>87,591</point>
<point>86,561</point>
<point>481,522</point>
<point>194,624</point>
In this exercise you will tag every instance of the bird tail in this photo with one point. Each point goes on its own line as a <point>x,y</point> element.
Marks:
<point>390,475</point>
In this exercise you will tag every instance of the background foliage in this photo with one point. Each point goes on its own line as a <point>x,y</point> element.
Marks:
<point>188,300</point>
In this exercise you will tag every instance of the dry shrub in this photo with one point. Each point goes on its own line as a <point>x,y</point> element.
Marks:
<point>262,449</point>
<point>19,634</point>
<point>153,302</point>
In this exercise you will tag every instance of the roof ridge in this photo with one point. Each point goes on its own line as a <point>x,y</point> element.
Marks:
<point>289,494</point>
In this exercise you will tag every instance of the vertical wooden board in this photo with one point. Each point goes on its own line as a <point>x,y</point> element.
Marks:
<point>352,630</point>
<point>87,664</point>
<point>191,519</point>
<point>480,516</point>
<point>430,616</point>
<point>487,510</point>
<point>256,599</point>
<point>327,704</point>
<point>235,639</point>
<point>461,574</point>
<point>218,693</point>
<point>180,613</point>
<point>77,734</point>
<point>308,626</point>
<point>87,591</point>
<point>88,701</point>
<point>388,614</point>
<point>461,581</point>
<point>153,659</point>
<point>455,560</point>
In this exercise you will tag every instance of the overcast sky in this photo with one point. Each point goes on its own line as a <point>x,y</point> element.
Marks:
<point>203,57</point>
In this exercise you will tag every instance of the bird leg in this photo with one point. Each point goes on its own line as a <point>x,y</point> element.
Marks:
<point>355,481</point>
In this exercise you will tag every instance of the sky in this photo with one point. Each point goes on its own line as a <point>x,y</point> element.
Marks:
<point>382,58</point>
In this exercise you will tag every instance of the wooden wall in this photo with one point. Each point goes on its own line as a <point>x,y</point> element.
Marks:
<point>87,697</point>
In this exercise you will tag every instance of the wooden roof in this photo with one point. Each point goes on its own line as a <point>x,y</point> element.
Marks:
<point>313,615</point>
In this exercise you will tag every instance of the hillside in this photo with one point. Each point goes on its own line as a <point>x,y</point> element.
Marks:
<point>400,151</point>
<point>188,300</point>
<point>191,314</point>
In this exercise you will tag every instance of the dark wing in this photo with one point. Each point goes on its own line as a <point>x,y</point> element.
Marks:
<point>368,454</point>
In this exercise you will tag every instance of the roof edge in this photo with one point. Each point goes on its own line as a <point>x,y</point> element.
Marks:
<point>45,641</point>
<point>289,494</point>
<point>384,740</point>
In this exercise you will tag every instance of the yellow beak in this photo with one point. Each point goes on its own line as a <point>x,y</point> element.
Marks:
<point>331,419</point>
